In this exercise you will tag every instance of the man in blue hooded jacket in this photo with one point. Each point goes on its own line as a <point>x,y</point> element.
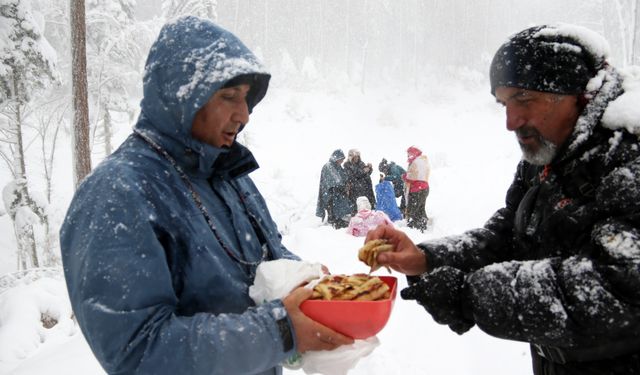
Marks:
<point>162,241</point>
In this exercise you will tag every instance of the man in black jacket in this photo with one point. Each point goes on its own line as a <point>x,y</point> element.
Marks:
<point>559,265</point>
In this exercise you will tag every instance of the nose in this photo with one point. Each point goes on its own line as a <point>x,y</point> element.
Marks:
<point>515,118</point>
<point>241,113</point>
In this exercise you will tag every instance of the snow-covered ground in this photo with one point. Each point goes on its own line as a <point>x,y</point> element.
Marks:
<point>292,134</point>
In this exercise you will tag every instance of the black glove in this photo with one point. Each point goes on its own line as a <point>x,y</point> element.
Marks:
<point>440,293</point>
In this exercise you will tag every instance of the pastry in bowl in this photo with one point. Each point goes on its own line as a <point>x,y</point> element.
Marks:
<point>358,319</point>
<point>358,287</point>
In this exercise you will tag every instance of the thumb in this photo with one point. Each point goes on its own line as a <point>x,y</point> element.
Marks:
<point>299,295</point>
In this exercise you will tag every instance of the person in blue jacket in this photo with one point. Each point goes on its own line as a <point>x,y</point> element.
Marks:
<point>393,173</point>
<point>161,242</point>
<point>387,200</point>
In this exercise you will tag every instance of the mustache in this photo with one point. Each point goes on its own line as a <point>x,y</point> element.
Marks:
<point>528,131</point>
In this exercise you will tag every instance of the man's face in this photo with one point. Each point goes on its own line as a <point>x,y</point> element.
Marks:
<point>542,121</point>
<point>220,119</point>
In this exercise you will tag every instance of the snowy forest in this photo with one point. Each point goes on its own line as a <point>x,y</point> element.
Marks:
<point>368,44</point>
<point>363,47</point>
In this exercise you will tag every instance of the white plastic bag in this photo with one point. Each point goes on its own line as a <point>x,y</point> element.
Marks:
<point>338,361</point>
<point>276,279</point>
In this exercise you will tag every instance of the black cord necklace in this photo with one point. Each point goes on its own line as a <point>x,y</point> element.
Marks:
<point>198,201</point>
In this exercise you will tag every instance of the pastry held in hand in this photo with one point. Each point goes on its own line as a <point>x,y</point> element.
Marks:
<point>369,253</point>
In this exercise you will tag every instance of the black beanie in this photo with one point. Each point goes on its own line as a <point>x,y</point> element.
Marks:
<point>540,59</point>
<point>337,155</point>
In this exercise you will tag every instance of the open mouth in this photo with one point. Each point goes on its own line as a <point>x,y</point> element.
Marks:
<point>527,135</point>
<point>229,136</point>
<point>526,139</point>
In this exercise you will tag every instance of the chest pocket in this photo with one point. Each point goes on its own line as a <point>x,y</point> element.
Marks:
<point>549,222</point>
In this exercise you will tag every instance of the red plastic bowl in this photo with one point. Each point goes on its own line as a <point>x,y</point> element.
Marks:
<point>356,319</point>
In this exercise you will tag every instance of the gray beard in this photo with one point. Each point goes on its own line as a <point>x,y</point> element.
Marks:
<point>543,156</point>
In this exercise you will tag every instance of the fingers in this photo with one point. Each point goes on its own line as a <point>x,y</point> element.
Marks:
<point>310,335</point>
<point>385,258</point>
<point>329,339</point>
<point>382,231</point>
<point>405,257</point>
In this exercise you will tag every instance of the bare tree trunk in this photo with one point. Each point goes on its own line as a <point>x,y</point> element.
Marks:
<point>49,256</point>
<point>81,150</point>
<point>19,157</point>
<point>48,161</point>
<point>106,123</point>
<point>22,253</point>
<point>24,231</point>
<point>50,259</point>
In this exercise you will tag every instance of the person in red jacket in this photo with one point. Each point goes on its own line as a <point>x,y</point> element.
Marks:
<point>416,188</point>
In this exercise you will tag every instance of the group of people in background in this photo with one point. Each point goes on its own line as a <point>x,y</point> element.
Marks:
<point>346,195</point>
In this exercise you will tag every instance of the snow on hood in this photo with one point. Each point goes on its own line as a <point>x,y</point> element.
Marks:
<point>192,59</point>
<point>624,111</point>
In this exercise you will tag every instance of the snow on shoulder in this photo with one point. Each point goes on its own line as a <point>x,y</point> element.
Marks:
<point>624,112</point>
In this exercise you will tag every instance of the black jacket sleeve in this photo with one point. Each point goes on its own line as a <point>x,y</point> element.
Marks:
<point>589,298</point>
<point>482,246</point>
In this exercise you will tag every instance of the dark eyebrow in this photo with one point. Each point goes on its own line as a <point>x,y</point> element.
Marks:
<point>515,94</point>
<point>234,89</point>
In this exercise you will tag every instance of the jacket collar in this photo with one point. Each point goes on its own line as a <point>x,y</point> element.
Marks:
<point>608,84</point>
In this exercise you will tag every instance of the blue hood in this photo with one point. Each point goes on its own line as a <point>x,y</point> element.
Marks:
<point>191,59</point>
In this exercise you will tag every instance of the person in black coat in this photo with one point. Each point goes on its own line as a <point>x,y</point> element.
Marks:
<point>358,179</point>
<point>558,265</point>
<point>333,201</point>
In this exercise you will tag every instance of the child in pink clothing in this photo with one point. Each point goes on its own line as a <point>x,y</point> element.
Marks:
<point>366,218</point>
